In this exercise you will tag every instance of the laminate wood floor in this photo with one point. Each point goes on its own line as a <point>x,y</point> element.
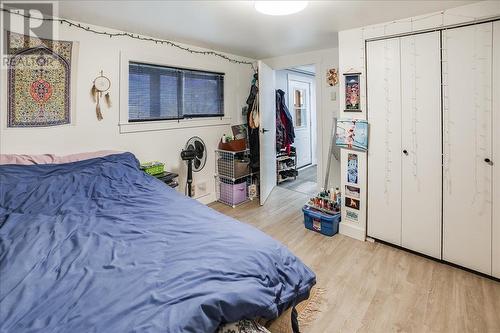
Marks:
<point>305,182</point>
<point>372,287</point>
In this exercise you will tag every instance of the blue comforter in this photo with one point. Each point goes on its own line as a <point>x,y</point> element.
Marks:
<point>99,246</point>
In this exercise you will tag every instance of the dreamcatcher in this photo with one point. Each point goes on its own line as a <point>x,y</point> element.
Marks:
<point>101,86</point>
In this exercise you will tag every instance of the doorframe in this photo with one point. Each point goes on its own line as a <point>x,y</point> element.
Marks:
<point>310,79</point>
<point>316,62</point>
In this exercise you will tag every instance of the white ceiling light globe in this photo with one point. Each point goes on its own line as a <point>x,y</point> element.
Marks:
<point>280,7</point>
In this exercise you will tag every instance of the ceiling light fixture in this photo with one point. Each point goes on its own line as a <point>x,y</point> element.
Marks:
<point>280,7</point>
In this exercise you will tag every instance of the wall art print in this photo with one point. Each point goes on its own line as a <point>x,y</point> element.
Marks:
<point>39,81</point>
<point>352,203</point>
<point>352,168</point>
<point>352,191</point>
<point>352,134</point>
<point>352,92</point>
<point>351,215</point>
<point>332,77</point>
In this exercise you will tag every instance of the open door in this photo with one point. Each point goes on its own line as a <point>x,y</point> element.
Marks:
<point>267,132</point>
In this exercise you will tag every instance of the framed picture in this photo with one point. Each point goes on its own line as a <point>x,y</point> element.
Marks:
<point>351,215</point>
<point>352,134</point>
<point>352,92</point>
<point>352,203</point>
<point>352,168</point>
<point>239,131</point>
<point>352,191</point>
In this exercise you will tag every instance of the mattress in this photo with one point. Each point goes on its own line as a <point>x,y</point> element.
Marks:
<point>99,246</point>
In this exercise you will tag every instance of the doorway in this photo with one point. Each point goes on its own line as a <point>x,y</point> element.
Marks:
<point>296,169</point>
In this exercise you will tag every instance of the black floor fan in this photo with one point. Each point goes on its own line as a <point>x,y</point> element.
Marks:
<point>195,155</point>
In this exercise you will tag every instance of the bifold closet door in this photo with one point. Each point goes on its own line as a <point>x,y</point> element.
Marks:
<point>496,151</point>
<point>467,112</point>
<point>421,164</point>
<point>384,155</point>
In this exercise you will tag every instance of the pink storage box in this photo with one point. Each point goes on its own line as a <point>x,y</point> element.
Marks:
<point>233,194</point>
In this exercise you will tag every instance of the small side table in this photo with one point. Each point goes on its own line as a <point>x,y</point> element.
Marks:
<point>169,178</point>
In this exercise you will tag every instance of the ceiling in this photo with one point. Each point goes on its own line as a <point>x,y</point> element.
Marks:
<point>235,27</point>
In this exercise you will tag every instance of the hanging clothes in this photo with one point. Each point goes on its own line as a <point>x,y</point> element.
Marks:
<point>253,126</point>
<point>285,133</point>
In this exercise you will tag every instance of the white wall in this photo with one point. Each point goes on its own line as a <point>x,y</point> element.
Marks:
<point>352,58</point>
<point>327,105</point>
<point>87,134</point>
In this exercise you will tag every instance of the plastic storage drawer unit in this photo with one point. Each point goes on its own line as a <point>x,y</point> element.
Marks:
<point>323,223</point>
<point>233,194</point>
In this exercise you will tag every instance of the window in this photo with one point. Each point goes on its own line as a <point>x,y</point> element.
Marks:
<point>164,93</point>
<point>300,108</point>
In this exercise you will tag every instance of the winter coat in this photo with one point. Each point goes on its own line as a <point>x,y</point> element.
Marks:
<point>285,133</point>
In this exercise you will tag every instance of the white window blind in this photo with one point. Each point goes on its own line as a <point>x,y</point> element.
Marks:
<point>163,93</point>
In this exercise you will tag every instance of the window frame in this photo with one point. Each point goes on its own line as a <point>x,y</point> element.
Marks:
<point>159,59</point>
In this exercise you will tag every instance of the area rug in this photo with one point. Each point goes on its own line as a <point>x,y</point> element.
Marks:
<point>39,81</point>
<point>307,311</point>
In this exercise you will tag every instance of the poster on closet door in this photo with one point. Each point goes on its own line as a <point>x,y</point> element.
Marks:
<point>352,168</point>
<point>352,191</point>
<point>352,203</point>
<point>351,215</point>
<point>352,134</point>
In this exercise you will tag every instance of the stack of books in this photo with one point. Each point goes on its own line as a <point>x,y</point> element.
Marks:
<point>168,178</point>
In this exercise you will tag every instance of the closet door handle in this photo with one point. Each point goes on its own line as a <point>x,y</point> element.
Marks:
<point>264,130</point>
<point>405,152</point>
<point>487,160</point>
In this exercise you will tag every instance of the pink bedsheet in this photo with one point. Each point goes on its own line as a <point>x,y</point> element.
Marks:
<point>51,158</point>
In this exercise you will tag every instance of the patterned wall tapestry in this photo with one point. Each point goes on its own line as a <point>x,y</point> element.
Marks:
<point>39,81</point>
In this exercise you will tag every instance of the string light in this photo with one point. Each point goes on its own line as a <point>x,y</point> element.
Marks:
<point>481,142</point>
<point>481,113</point>
<point>475,65</point>
<point>138,37</point>
<point>388,116</point>
<point>483,96</point>
<point>414,111</point>
<point>447,122</point>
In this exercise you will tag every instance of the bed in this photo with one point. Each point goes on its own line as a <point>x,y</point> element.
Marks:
<point>99,246</point>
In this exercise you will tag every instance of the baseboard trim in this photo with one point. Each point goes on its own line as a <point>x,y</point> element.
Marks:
<point>352,231</point>
<point>206,198</point>
<point>442,261</point>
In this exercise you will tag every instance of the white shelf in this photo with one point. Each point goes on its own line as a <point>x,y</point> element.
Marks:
<point>284,158</point>
<point>286,169</point>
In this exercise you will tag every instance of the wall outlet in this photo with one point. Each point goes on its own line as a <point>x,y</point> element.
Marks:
<point>201,188</point>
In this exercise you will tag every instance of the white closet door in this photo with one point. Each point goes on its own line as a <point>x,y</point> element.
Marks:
<point>384,160</point>
<point>421,143</point>
<point>496,151</point>
<point>467,91</point>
